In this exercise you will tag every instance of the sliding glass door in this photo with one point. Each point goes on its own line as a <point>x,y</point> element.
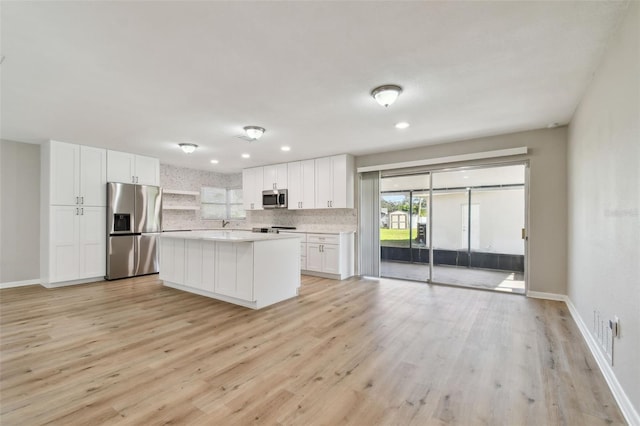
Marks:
<point>467,229</point>
<point>404,216</point>
<point>478,223</point>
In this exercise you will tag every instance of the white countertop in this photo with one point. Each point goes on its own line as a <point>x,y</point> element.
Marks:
<point>232,236</point>
<point>301,230</point>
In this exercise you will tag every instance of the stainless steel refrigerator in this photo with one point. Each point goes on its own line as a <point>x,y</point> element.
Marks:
<point>134,223</point>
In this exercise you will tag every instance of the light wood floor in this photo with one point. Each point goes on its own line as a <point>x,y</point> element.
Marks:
<point>360,352</point>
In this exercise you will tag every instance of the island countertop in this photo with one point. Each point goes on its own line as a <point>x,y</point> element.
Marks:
<point>231,236</point>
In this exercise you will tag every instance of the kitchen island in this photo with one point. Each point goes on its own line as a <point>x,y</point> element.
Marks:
<point>245,268</point>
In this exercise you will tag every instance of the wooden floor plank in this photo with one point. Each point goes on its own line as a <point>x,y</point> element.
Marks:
<point>358,351</point>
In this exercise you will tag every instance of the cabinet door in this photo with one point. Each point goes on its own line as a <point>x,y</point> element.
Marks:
<point>193,267</point>
<point>167,259</point>
<point>92,241</point>
<point>226,269</point>
<point>93,176</point>
<point>147,170</point>
<point>172,260</point>
<point>65,173</point>
<point>314,257</point>
<point>120,167</point>
<point>324,183</point>
<point>303,256</point>
<point>274,177</point>
<point>296,187</point>
<point>244,271</point>
<point>301,182</point>
<point>269,177</point>
<point>64,250</point>
<point>308,184</point>
<point>208,265</point>
<point>252,188</point>
<point>331,258</point>
<point>339,181</point>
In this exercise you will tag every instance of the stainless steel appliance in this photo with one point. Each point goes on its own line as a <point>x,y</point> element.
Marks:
<point>134,223</point>
<point>274,199</point>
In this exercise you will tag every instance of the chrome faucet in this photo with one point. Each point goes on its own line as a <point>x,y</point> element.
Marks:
<point>225,222</point>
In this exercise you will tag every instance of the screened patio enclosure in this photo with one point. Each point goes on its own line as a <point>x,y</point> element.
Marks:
<point>461,227</point>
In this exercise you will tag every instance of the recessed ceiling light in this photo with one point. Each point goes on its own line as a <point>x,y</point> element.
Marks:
<point>245,155</point>
<point>285,148</point>
<point>402,125</point>
<point>214,161</point>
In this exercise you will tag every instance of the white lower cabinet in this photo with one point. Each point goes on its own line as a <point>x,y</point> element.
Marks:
<point>330,255</point>
<point>223,268</point>
<point>172,258</point>
<point>253,274</point>
<point>208,266</point>
<point>193,263</point>
<point>234,270</point>
<point>77,244</point>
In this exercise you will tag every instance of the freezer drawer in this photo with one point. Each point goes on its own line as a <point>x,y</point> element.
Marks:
<point>147,249</point>
<point>121,256</point>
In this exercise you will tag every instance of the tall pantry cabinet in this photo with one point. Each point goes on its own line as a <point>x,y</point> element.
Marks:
<point>72,213</point>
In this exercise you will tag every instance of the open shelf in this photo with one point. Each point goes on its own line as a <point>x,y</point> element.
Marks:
<point>180,192</point>
<point>180,208</point>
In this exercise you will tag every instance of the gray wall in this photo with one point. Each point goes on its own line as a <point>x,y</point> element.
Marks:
<point>604,199</point>
<point>547,199</point>
<point>19,212</point>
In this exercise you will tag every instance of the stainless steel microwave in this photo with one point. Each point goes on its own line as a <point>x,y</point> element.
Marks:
<point>274,199</point>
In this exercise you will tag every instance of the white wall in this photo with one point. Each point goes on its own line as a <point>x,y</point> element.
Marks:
<point>604,200</point>
<point>547,187</point>
<point>19,212</point>
<point>501,219</point>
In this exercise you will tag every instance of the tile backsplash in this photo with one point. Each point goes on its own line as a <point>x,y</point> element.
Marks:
<point>184,179</point>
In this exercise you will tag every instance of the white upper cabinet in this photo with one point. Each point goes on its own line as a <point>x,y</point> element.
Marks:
<point>334,182</point>
<point>301,177</point>
<point>252,188</point>
<point>275,177</point>
<point>131,168</point>
<point>147,170</point>
<point>93,176</point>
<point>77,175</point>
<point>120,167</point>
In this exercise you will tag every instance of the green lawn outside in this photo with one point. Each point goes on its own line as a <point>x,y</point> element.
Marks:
<point>394,237</point>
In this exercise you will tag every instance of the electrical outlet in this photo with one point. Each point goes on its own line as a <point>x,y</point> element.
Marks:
<point>614,325</point>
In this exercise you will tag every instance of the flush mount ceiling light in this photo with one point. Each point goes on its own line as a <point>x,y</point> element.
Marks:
<point>246,155</point>
<point>387,94</point>
<point>402,125</point>
<point>214,161</point>
<point>254,132</point>
<point>285,148</point>
<point>188,148</point>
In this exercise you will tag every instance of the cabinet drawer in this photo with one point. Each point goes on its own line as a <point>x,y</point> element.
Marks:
<point>323,238</point>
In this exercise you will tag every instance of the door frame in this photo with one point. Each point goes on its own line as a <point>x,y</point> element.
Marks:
<point>436,169</point>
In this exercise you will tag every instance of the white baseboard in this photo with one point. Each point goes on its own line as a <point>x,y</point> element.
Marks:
<point>19,283</point>
<point>629,412</point>
<point>547,296</point>
<point>72,282</point>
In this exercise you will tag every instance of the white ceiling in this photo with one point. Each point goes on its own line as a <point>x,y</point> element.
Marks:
<point>144,76</point>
